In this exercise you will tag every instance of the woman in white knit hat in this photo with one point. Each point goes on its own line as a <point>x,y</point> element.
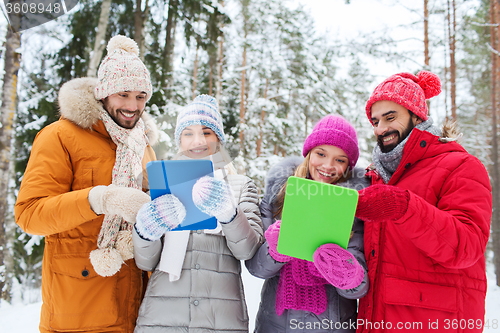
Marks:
<point>196,284</point>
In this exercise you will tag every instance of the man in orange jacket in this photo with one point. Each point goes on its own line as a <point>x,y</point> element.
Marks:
<point>82,188</point>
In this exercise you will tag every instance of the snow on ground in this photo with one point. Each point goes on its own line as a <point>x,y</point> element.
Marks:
<point>492,317</point>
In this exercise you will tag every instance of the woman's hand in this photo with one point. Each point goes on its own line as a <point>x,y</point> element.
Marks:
<point>338,266</point>
<point>214,197</point>
<point>272,234</point>
<point>159,216</point>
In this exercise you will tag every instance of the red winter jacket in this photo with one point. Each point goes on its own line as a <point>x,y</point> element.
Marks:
<point>427,269</point>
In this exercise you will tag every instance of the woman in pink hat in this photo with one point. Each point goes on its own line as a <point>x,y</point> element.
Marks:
<point>319,296</point>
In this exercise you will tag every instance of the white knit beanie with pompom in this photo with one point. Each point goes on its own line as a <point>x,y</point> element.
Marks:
<point>122,70</point>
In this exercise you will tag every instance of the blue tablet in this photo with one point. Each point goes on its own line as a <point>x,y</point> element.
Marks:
<point>178,178</point>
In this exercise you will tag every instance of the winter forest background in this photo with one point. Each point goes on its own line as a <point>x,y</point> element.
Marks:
<point>273,71</point>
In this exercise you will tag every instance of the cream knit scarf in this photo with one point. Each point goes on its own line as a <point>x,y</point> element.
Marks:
<point>114,245</point>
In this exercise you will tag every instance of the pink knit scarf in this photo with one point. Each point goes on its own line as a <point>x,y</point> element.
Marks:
<point>301,287</point>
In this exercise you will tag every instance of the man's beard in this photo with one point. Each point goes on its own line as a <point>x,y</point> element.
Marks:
<point>387,148</point>
<point>113,113</point>
<point>118,121</point>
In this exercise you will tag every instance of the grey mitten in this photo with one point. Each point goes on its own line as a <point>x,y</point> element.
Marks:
<point>159,216</point>
<point>117,200</point>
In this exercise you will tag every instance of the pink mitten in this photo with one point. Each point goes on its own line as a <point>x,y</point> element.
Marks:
<point>271,235</point>
<point>338,266</point>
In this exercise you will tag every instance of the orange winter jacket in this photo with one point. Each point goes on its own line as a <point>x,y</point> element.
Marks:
<point>68,158</point>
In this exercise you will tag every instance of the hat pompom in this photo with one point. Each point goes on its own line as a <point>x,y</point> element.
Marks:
<point>124,244</point>
<point>106,261</point>
<point>430,84</point>
<point>126,44</point>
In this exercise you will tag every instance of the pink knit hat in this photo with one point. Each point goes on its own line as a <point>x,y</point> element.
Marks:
<point>407,90</point>
<point>122,70</point>
<point>334,131</point>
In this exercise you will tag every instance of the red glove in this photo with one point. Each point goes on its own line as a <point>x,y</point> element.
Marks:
<point>381,203</point>
<point>272,234</point>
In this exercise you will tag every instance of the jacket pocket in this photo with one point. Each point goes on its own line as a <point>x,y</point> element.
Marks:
<point>81,299</point>
<point>416,306</point>
<point>87,178</point>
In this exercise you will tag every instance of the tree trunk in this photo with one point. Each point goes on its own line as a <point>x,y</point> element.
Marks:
<point>218,93</point>
<point>426,45</point>
<point>262,117</point>
<point>8,108</point>
<point>220,59</point>
<point>495,174</point>
<point>446,68</point>
<point>242,98</point>
<point>168,51</point>
<point>140,17</point>
<point>211,78</point>
<point>100,42</point>
<point>245,14</point>
<point>195,71</point>
<point>453,66</point>
<point>426,35</point>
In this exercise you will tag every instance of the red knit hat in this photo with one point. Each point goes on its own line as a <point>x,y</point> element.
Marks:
<point>334,131</point>
<point>407,90</point>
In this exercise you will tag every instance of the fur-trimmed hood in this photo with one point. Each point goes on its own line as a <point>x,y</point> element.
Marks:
<point>279,173</point>
<point>450,132</point>
<point>78,104</point>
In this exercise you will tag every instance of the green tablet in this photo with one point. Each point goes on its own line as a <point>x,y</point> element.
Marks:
<point>314,214</point>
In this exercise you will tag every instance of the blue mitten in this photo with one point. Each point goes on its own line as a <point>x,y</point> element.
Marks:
<point>214,197</point>
<point>159,216</point>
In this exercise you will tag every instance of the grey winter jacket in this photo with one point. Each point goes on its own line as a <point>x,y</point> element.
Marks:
<point>209,295</point>
<point>340,315</point>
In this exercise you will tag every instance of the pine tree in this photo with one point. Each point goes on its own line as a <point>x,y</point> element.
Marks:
<point>7,112</point>
<point>477,110</point>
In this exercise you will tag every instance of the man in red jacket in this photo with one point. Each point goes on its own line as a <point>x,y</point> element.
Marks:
<point>427,218</point>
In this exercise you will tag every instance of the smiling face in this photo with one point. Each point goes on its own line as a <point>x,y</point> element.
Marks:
<point>327,164</point>
<point>126,107</point>
<point>198,141</point>
<point>392,123</point>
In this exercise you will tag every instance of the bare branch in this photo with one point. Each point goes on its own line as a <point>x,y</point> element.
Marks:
<point>492,49</point>
<point>484,24</point>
